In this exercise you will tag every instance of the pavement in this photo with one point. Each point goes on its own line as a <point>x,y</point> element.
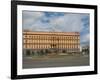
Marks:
<point>55,61</point>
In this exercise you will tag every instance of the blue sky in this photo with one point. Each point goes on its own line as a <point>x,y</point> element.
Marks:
<point>58,22</point>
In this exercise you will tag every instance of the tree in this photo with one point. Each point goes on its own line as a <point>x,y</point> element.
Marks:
<point>28,53</point>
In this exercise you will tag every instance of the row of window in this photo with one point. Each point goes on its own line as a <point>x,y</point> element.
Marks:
<point>50,46</point>
<point>50,37</point>
<point>51,41</point>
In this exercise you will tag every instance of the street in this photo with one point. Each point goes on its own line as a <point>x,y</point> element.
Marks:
<point>62,61</point>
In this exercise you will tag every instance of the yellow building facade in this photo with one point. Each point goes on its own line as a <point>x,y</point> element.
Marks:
<point>60,41</point>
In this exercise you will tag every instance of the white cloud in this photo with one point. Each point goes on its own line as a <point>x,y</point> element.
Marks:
<point>30,17</point>
<point>32,14</point>
<point>68,22</point>
<point>85,38</point>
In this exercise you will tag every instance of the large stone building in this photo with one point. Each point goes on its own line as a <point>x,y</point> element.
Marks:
<point>51,42</point>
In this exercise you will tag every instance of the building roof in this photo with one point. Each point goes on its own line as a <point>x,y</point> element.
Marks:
<point>51,33</point>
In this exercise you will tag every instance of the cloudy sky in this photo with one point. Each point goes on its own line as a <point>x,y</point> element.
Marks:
<point>58,22</point>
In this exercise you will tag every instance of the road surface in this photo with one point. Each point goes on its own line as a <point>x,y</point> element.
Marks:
<point>65,61</point>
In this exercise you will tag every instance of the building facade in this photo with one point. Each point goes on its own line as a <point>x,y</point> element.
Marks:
<point>57,42</point>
